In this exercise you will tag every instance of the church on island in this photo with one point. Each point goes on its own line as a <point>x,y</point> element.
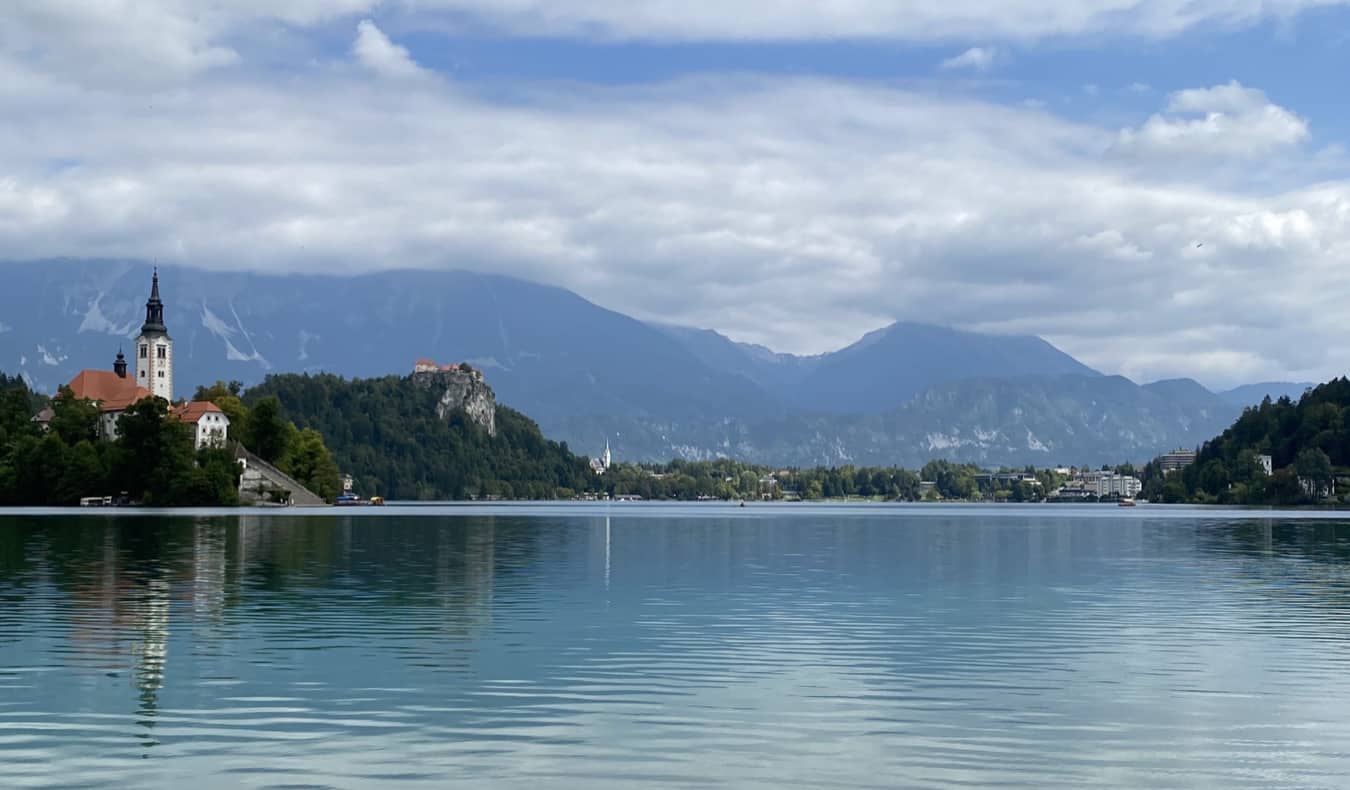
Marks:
<point>114,391</point>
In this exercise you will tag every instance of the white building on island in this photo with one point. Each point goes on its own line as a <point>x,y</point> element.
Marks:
<point>210,426</point>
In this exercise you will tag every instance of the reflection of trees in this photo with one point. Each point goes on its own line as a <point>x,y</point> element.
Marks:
<point>1315,541</point>
<point>140,575</point>
<point>1303,556</point>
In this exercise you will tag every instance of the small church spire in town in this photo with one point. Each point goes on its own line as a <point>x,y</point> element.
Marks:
<point>120,365</point>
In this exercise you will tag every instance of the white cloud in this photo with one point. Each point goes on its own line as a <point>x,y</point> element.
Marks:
<point>375,51</point>
<point>132,44</point>
<point>1225,120</point>
<point>797,213</point>
<point>913,20</point>
<point>128,43</point>
<point>975,59</point>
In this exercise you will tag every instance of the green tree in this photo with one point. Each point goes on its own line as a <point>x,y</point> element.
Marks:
<point>83,474</point>
<point>157,452</point>
<point>74,420</point>
<point>266,433</point>
<point>1314,464</point>
<point>311,463</point>
<point>16,411</point>
<point>39,464</point>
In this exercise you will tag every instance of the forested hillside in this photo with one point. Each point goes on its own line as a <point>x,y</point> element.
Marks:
<point>385,432</point>
<point>1308,442</point>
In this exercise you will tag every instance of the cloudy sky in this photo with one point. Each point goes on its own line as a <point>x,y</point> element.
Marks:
<point>1160,187</point>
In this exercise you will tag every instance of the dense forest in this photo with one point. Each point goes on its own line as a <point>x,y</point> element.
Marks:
<point>385,432</point>
<point>1308,443</point>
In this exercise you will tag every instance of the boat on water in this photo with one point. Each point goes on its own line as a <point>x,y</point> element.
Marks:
<point>1127,502</point>
<point>352,500</point>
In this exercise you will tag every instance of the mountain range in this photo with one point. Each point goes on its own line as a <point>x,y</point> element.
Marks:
<point>902,394</point>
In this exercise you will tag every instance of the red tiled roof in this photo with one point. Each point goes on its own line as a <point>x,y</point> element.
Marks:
<point>110,391</point>
<point>193,411</point>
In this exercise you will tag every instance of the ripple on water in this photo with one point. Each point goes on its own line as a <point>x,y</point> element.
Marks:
<point>816,650</point>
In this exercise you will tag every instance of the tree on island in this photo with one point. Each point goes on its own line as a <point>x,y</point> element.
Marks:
<point>152,460</point>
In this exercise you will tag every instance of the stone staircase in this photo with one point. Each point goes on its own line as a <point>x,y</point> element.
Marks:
<point>260,483</point>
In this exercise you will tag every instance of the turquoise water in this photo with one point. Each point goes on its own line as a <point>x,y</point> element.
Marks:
<point>632,645</point>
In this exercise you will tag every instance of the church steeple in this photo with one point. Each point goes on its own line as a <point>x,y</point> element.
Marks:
<point>120,366</point>
<point>154,310</point>
<point>154,348</point>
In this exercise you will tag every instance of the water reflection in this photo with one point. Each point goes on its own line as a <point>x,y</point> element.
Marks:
<point>808,650</point>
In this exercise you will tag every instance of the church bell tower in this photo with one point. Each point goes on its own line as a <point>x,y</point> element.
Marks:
<point>154,348</point>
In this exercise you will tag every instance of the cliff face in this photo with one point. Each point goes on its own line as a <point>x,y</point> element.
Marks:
<point>462,390</point>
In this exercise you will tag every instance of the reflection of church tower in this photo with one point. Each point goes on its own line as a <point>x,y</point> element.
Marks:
<point>152,617</point>
<point>154,348</point>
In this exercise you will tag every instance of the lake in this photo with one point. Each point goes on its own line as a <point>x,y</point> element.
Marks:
<point>633,645</point>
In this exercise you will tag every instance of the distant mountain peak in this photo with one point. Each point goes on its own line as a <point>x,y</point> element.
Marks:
<point>1252,394</point>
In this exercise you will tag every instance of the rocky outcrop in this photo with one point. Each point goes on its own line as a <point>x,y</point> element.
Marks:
<point>462,389</point>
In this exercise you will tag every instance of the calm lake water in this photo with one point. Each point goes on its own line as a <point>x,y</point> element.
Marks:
<point>631,645</point>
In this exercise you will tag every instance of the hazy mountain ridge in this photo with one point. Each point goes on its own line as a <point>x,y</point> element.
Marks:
<point>545,349</point>
<point>1251,394</point>
<point>883,369</point>
<point>902,394</point>
<point>1027,420</point>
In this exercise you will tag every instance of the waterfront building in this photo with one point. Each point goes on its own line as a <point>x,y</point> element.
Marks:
<point>1267,464</point>
<point>1179,458</point>
<point>154,348</point>
<point>210,426</point>
<point>1100,485</point>
<point>1110,484</point>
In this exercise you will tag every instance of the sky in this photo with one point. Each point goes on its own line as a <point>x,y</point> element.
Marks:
<point>1159,187</point>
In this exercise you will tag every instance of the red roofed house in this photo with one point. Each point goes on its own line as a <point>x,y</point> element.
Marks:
<point>111,390</point>
<point>209,424</point>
